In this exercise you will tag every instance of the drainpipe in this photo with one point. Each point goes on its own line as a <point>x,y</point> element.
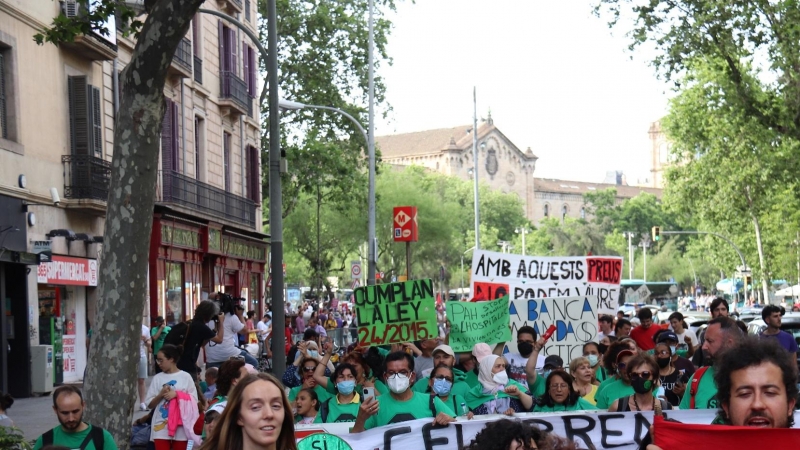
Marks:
<point>115,78</point>
<point>183,127</point>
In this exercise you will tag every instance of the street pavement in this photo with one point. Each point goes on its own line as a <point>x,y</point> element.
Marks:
<point>35,415</point>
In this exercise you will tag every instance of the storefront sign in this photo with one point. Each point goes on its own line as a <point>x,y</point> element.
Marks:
<point>179,237</point>
<point>41,246</point>
<point>69,271</point>
<point>215,240</point>
<point>69,355</point>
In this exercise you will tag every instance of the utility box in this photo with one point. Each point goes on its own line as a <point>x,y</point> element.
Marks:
<point>42,369</point>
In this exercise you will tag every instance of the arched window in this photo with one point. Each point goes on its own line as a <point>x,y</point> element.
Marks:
<point>546,210</point>
<point>583,213</point>
<point>564,210</point>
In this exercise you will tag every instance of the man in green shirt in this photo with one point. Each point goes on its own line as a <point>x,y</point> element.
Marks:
<point>402,403</point>
<point>722,333</point>
<point>73,432</point>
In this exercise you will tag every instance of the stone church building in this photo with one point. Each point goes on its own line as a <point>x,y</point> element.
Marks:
<point>501,165</point>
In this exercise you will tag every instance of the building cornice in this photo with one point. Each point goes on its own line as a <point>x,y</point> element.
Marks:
<point>21,16</point>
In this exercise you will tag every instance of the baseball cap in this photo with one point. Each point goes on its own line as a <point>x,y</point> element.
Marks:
<point>218,407</point>
<point>553,361</point>
<point>444,348</point>
<point>623,354</point>
<point>667,336</point>
<point>480,350</point>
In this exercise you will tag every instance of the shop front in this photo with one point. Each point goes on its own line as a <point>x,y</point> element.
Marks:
<point>64,284</point>
<point>236,264</point>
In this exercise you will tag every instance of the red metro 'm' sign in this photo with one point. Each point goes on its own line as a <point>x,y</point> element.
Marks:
<point>405,224</point>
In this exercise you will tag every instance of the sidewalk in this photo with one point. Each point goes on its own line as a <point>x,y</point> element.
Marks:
<point>35,415</point>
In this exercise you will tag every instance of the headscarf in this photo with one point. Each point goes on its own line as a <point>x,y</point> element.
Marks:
<point>490,387</point>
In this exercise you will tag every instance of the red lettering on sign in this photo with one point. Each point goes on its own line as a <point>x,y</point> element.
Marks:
<point>603,270</point>
<point>489,291</point>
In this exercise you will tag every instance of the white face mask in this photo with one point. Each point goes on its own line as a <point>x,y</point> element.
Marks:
<point>500,377</point>
<point>398,383</point>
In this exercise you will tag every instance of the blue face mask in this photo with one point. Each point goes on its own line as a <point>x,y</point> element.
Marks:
<point>674,349</point>
<point>442,387</point>
<point>546,373</point>
<point>346,387</point>
<point>313,353</point>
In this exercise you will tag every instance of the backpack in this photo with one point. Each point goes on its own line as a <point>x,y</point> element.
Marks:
<point>178,334</point>
<point>95,435</point>
<point>695,384</point>
<point>323,410</point>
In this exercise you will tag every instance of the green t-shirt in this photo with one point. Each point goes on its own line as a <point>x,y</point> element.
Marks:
<point>612,392</point>
<point>322,394</point>
<point>471,378</point>
<point>74,440</point>
<point>604,384</point>
<point>580,405</point>
<point>539,387</point>
<point>706,397</point>
<point>340,412</point>
<point>157,343</point>
<point>476,397</point>
<point>601,375</point>
<point>395,411</point>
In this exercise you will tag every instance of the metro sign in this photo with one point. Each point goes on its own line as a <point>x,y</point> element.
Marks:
<point>405,224</point>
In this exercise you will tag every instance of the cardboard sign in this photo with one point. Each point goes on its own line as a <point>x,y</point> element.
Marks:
<point>471,323</point>
<point>405,224</point>
<point>494,275</point>
<point>395,312</point>
<point>574,317</point>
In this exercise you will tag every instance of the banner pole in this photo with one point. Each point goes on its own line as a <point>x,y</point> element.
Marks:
<point>408,261</point>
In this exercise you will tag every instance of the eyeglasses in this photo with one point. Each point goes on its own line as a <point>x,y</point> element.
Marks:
<point>646,375</point>
<point>442,377</point>
<point>402,374</point>
<point>663,353</point>
<point>559,387</point>
<point>160,360</point>
<point>309,368</point>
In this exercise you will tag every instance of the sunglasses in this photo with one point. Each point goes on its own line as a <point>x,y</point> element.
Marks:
<point>309,368</point>
<point>636,375</point>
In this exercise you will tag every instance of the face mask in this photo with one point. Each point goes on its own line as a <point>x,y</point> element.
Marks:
<point>442,387</point>
<point>398,384</point>
<point>546,373</point>
<point>642,386</point>
<point>500,377</point>
<point>602,348</point>
<point>663,362</point>
<point>593,359</point>
<point>674,349</point>
<point>313,353</point>
<point>346,387</point>
<point>525,348</point>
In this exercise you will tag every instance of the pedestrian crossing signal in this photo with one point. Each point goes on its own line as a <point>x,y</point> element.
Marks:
<point>656,233</point>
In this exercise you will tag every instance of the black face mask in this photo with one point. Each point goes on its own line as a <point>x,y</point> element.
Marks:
<point>642,386</point>
<point>603,348</point>
<point>525,348</point>
<point>663,362</point>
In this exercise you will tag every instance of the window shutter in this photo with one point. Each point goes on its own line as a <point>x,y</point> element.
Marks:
<point>223,54</point>
<point>78,115</point>
<point>254,179</point>
<point>196,44</point>
<point>196,148</point>
<point>176,132</point>
<point>96,138</point>
<point>246,66</point>
<point>253,71</point>
<point>166,142</point>
<point>234,66</point>
<point>226,156</point>
<point>3,110</point>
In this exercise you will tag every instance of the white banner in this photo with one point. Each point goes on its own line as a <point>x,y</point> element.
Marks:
<point>527,277</point>
<point>592,430</point>
<point>574,318</point>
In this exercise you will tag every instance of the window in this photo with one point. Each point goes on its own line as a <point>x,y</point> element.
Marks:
<point>583,213</point>
<point>253,175</point>
<point>546,210</point>
<point>249,75</point>
<point>170,156</point>
<point>199,148</point>
<point>247,10</point>
<point>227,57</point>
<point>226,160</point>
<point>9,96</point>
<point>564,211</point>
<point>85,127</point>
<point>197,48</point>
<point>3,107</point>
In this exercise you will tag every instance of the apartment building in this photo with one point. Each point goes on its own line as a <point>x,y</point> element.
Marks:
<point>57,114</point>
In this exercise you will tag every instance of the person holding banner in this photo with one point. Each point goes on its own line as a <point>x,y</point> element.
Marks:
<point>440,384</point>
<point>642,370</point>
<point>527,346</point>
<point>496,393</point>
<point>561,395</point>
<point>360,370</point>
<point>402,403</point>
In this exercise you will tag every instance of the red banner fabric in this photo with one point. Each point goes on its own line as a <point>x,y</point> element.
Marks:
<point>684,436</point>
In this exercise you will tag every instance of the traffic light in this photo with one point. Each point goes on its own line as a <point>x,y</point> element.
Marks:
<point>656,233</point>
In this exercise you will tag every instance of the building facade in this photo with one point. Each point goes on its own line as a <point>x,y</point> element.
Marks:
<point>502,166</point>
<point>659,154</point>
<point>57,112</point>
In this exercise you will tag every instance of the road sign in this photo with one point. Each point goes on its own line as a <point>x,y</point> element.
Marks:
<point>379,275</point>
<point>355,284</point>
<point>355,270</point>
<point>405,224</point>
<point>644,292</point>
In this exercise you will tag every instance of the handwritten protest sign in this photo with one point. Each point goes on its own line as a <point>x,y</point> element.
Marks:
<point>574,318</point>
<point>395,312</point>
<point>525,277</point>
<point>471,323</point>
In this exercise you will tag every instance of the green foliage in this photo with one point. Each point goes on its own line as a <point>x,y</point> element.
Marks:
<point>12,438</point>
<point>66,29</point>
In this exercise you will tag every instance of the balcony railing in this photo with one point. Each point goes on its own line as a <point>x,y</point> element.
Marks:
<point>183,54</point>
<point>181,190</point>
<point>86,177</point>
<point>198,69</point>
<point>235,89</point>
<point>237,3</point>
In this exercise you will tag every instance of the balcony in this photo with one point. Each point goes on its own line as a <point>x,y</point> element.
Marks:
<point>181,65</point>
<point>86,177</point>
<point>233,94</point>
<point>178,189</point>
<point>92,47</point>
<point>231,6</point>
<point>198,69</point>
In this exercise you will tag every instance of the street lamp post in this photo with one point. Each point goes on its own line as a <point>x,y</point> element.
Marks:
<point>523,231</point>
<point>462,268</point>
<point>645,244</point>
<point>372,247</point>
<point>629,235</point>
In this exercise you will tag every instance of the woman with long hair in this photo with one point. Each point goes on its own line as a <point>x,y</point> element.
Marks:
<point>560,395</point>
<point>307,407</point>
<point>172,391</point>
<point>257,417</point>
<point>495,392</point>
<point>668,374</point>
<point>581,369</point>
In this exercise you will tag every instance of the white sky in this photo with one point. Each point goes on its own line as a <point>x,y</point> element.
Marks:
<point>553,75</point>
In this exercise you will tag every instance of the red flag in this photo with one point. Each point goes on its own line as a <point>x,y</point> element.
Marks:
<point>683,436</point>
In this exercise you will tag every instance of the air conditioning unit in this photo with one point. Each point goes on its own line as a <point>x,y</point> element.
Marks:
<point>70,8</point>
